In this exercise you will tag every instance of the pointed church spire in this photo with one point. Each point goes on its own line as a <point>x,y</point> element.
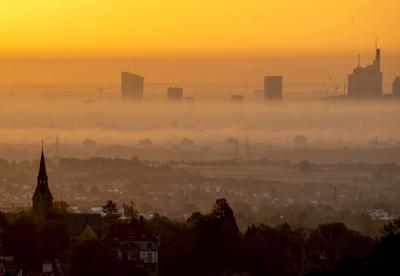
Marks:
<point>42,200</point>
<point>42,175</point>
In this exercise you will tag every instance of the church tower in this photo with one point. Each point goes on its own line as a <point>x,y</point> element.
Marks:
<point>42,199</point>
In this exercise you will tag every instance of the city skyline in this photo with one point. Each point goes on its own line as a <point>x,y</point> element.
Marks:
<point>304,77</point>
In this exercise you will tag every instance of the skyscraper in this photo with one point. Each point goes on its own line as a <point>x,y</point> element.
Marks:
<point>236,98</point>
<point>273,87</point>
<point>42,200</point>
<point>175,94</point>
<point>366,82</point>
<point>396,87</point>
<point>131,86</point>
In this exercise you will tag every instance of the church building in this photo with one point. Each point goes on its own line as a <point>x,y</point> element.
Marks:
<point>42,200</point>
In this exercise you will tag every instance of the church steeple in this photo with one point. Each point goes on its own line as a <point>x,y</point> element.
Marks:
<point>42,200</point>
<point>42,175</point>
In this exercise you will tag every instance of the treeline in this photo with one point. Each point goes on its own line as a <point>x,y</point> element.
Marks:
<point>208,244</point>
<point>389,168</point>
<point>211,244</point>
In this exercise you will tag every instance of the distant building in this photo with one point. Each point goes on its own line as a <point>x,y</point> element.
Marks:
<point>131,86</point>
<point>300,141</point>
<point>366,82</point>
<point>258,93</point>
<point>273,87</point>
<point>396,87</point>
<point>145,143</point>
<point>187,143</point>
<point>137,246</point>
<point>237,98</point>
<point>89,143</point>
<point>175,94</point>
<point>189,99</point>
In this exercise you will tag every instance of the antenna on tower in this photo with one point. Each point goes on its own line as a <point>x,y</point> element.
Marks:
<point>247,146</point>
<point>359,60</point>
<point>100,90</point>
<point>376,42</point>
<point>335,196</point>
<point>57,145</point>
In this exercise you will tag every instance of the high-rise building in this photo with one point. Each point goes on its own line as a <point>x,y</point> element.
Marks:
<point>366,82</point>
<point>131,86</point>
<point>273,87</point>
<point>175,94</point>
<point>396,87</point>
<point>42,200</point>
<point>258,94</point>
<point>237,98</point>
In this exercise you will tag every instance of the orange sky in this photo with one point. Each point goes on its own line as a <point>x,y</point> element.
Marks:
<point>104,28</point>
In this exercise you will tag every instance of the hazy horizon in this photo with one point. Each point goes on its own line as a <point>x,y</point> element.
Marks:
<point>325,124</point>
<point>206,79</point>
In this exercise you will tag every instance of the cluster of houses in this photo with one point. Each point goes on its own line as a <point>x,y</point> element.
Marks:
<point>133,243</point>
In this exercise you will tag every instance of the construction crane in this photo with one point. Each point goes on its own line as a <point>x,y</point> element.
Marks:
<point>334,86</point>
<point>326,89</point>
<point>100,90</point>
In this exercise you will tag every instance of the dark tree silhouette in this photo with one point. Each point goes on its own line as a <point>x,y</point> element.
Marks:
<point>53,239</point>
<point>94,258</point>
<point>111,211</point>
<point>20,241</point>
<point>60,207</point>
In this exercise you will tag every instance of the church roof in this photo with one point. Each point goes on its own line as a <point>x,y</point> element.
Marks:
<point>76,223</point>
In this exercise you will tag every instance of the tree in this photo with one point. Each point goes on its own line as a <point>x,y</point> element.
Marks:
<point>305,166</point>
<point>392,228</point>
<point>53,238</point>
<point>331,242</point>
<point>3,221</point>
<point>20,241</point>
<point>111,211</point>
<point>130,211</point>
<point>224,213</point>
<point>94,258</point>
<point>60,207</point>
<point>216,240</point>
<point>274,251</point>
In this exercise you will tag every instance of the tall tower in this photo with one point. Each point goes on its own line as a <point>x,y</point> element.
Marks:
<point>273,88</point>
<point>131,86</point>
<point>42,200</point>
<point>377,61</point>
<point>366,81</point>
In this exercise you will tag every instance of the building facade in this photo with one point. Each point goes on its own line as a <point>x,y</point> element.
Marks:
<point>273,88</point>
<point>366,82</point>
<point>396,87</point>
<point>131,86</point>
<point>175,94</point>
<point>237,98</point>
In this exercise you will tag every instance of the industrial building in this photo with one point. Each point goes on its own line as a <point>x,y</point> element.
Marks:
<point>366,82</point>
<point>396,87</point>
<point>273,88</point>
<point>237,98</point>
<point>175,94</point>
